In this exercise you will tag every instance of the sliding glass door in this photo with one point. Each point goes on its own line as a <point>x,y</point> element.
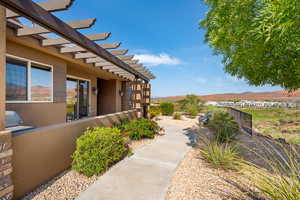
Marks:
<point>78,92</point>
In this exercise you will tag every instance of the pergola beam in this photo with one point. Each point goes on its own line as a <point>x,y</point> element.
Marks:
<point>127,57</point>
<point>100,60</point>
<point>108,67</point>
<point>91,55</point>
<point>78,24</point>
<point>119,52</point>
<point>100,63</point>
<point>61,41</point>
<point>50,5</point>
<point>113,68</point>
<point>80,49</point>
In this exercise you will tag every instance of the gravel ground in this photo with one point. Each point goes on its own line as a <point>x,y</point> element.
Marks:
<point>69,184</point>
<point>194,179</point>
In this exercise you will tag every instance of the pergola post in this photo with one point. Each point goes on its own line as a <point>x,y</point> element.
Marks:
<point>2,66</point>
<point>147,99</point>
<point>137,99</point>
<point>6,185</point>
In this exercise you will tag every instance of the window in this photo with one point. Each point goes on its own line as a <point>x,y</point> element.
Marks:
<point>78,98</point>
<point>16,80</point>
<point>28,81</point>
<point>41,82</point>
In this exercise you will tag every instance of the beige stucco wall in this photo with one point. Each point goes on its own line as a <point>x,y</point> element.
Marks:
<point>43,153</point>
<point>110,99</point>
<point>118,96</point>
<point>42,114</point>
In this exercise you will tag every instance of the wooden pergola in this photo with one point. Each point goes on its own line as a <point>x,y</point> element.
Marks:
<point>102,56</point>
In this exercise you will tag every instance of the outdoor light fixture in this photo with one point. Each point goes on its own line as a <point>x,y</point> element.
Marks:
<point>121,93</point>
<point>94,90</point>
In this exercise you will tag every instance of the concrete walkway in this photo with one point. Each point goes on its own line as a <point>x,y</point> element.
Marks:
<point>146,174</point>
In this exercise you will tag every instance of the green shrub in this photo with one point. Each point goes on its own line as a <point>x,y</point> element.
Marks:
<point>192,110</point>
<point>167,108</point>
<point>220,156</point>
<point>224,126</point>
<point>98,149</point>
<point>141,128</point>
<point>154,111</point>
<point>121,124</point>
<point>177,116</point>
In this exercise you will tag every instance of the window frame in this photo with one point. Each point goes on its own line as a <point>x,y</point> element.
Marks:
<point>29,66</point>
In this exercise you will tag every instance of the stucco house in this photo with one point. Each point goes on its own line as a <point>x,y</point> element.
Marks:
<point>59,86</point>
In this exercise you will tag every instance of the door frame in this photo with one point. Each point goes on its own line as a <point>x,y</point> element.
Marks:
<point>90,90</point>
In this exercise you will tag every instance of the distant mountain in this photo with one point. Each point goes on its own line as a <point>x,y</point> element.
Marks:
<point>281,95</point>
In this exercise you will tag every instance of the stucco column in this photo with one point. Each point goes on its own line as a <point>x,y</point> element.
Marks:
<point>2,66</point>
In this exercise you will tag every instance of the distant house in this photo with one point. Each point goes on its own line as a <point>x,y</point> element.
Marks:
<point>60,86</point>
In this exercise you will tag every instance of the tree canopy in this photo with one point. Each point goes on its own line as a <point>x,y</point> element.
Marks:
<point>258,39</point>
<point>190,99</point>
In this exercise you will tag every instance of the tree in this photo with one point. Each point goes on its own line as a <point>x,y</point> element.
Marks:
<point>189,100</point>
<point>258,39</point>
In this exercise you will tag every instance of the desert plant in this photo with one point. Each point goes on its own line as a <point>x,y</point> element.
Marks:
<point>192,110</point>
<point>223,156</point>
<point>141,128</point>
<point>177,116</point>
<point>121,124</point>
<point>167,108</point>
<point>224,126</point>
<point>190,104</point>
<point>282,181</point>
<point>98,149</point>
<point>154,111</point>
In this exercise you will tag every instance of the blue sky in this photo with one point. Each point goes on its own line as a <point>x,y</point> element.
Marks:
<point>166,37</point>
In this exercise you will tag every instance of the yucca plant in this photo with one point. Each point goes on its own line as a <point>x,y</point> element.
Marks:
<point>282,180</point>
<point>220,156</point>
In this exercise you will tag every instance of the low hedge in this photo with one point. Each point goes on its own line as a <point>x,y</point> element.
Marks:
<point>98,149</point>
<point>141,128</point>
<point>167,108</point>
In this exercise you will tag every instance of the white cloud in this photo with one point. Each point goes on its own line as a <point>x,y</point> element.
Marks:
<point>154,60</point>
<point>200,80</point>
<point>233,78</point>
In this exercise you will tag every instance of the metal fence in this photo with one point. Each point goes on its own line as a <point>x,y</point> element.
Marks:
<point>243,119</point>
